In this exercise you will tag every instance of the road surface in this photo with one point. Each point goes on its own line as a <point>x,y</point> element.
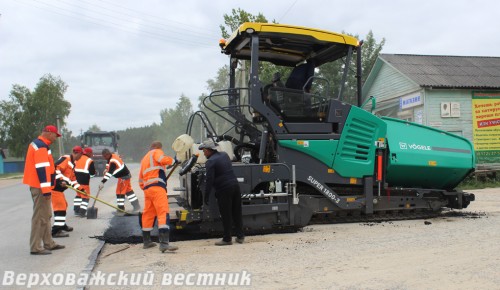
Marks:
<point>16,208</point>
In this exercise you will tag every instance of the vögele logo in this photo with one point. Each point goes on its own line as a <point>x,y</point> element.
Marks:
<point>405,146</point>
<point>419,147</point>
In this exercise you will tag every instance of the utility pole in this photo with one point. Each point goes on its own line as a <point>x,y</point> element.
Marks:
<point>60,138</point>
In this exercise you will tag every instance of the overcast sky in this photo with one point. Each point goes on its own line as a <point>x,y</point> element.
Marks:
<point>126,60</point>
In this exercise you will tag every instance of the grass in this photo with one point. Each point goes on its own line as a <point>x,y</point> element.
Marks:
<point>472,182</point>
<point>11,175</point>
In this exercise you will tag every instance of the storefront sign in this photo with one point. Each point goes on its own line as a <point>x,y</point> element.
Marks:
<point>410,101</point>
<point>486,126</point>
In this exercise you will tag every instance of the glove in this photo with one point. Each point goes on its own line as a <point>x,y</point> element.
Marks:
<point>101,185</point>
<point>176,161</point>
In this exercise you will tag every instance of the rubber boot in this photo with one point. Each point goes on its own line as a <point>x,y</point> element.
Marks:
<point>164,237</point>
<point>132,198</point>
<point>146,239</point>
<point>119,212</point>
<point>82,213</point>
<point>137,206</point>
<point>57,232</point>
<point>76,204</point>
<point>83,207</point>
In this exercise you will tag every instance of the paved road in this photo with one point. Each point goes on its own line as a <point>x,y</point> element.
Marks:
<point>16,212</point>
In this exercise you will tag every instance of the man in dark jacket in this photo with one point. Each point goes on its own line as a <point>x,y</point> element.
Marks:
<point>220,176</point>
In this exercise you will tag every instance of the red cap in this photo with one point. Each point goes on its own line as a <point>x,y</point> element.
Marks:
<point>53,129</point>
<point>77,149</point>
<point>87,151</point>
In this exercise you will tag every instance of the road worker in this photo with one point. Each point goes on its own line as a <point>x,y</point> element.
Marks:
<point>220,177</point>
<point>84,170</point>
<point>39,173</point>
<point>65,175</point>
<point>117,168</point>
<point>153,181</point>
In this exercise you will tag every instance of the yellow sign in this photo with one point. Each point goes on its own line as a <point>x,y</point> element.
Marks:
<point>486,126</point>
<point>266,169</point>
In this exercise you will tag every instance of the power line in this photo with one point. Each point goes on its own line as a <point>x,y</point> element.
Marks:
<point>111,24</point>
<point>120,25</point>
<point>288,10</point>
<point>147,23</point>
<point>182,25</point>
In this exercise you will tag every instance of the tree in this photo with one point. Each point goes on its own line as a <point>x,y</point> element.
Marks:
<point>26,113</point>
<point>94,128</point>
<point>134,142</point>
<point>237,17</point>
<point>68,140</point>
<point>232,22</point>
<point>174,122</point>
<point>333,71</point>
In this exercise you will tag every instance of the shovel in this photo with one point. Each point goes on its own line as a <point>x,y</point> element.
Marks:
<point>102,201</point>
<point>92,211</point>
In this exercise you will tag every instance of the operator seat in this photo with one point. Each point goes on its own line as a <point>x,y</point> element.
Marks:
<point>299,76</point>
<point>297,101</point>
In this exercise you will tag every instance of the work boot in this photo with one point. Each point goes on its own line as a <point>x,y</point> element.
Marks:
<point>42,252</point>
<point>137,206</point>
<point>56,247</point>
<point>120,212</point>
<point>240,240</point>
<point>164,237</point>
<point>223,243</point>
<point>77,201</point>
<point>146,238</point>
<point>67,228</point>
<point>82,213</point>
<point>57,232</point>
<point>60,234</point>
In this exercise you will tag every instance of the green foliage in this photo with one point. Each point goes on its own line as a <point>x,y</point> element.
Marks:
<point>220,82</point>
<point>370,51</point>
<point>333,71</point>
<point>68,140</point>
<point>174,123</point>
<point>474,181</point>
<point>134,142</point>
<point>237,17</point>
<point>231,23</point>
<point>26,113</point>
<point>16,175</point>
<point>94,128</point>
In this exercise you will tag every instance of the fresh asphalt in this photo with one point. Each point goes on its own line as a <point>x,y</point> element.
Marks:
<point>82,245</point>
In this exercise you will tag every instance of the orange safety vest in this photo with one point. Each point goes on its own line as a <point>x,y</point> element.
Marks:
<point>84,169</point>
<point>152,171</point>
<point>65,171</point>
<point>39,165</point>
<point>115,167</point>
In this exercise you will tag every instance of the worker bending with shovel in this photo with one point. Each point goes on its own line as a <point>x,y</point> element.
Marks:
<point>117,168</point>
<point>65,175</point>
<point>153,180</point>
